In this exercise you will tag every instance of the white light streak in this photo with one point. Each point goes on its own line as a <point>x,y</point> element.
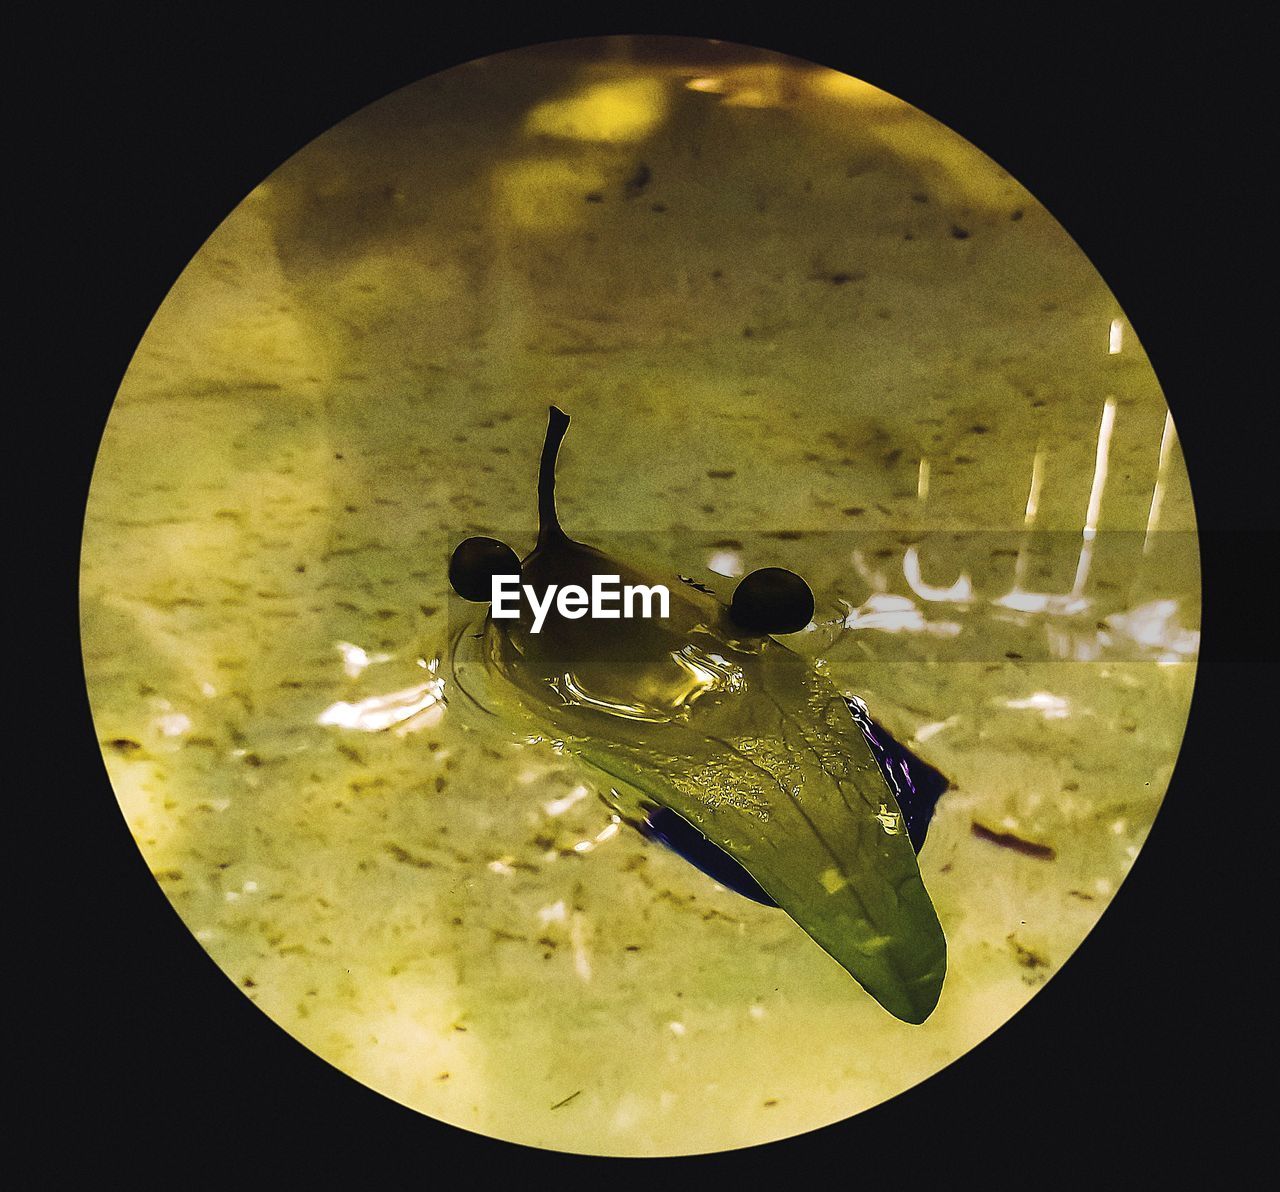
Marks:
<point>555,913</point>
<point>1100,467</point>
<point>1153,626</point>
<point>926,732</point>
<point>1029,517</point>
<point>380,712</point>
<point>895,614</point>
<point>561,805</point>
<point>355,659</point>
<point>725,562</point>
<point>1083,566</point>
<point>960,592</point>
<point>1095,496</point>
<point>1037,481</point>
<point>173,724</point>
<point>1065,605</point>
<point>875,579</point>
<point>1157,493</point>
<point>1050,706</point>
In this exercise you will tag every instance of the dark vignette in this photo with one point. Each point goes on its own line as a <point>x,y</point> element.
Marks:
<point>148,133</point>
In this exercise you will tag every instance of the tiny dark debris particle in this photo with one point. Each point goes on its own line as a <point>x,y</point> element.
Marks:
<point>659,208</point>
<point>721,473</point>
<point>407,858</point>
<point>125,746</point>
<point>638,181</point>
<point>570,1097</point>
<point>1025,956</point>
<point>595,197</point>
<point>1028,848</point>
<point>959,233</point>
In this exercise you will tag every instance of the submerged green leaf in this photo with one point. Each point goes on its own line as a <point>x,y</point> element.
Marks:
<point>765,760</point>
<point>737,734</point>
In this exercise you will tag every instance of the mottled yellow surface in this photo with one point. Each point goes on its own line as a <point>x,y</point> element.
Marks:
<point>765,293</point>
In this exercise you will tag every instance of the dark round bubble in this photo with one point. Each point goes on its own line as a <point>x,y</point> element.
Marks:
<point>474,563</point>
<point>772,600</point>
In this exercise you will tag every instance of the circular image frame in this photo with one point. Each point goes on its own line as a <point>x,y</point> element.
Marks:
<point>835,285</point>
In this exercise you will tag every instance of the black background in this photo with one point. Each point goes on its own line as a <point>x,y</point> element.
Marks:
<point>1146,140</point>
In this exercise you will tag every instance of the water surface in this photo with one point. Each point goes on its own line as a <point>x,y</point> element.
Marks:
<point>881,363</point>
